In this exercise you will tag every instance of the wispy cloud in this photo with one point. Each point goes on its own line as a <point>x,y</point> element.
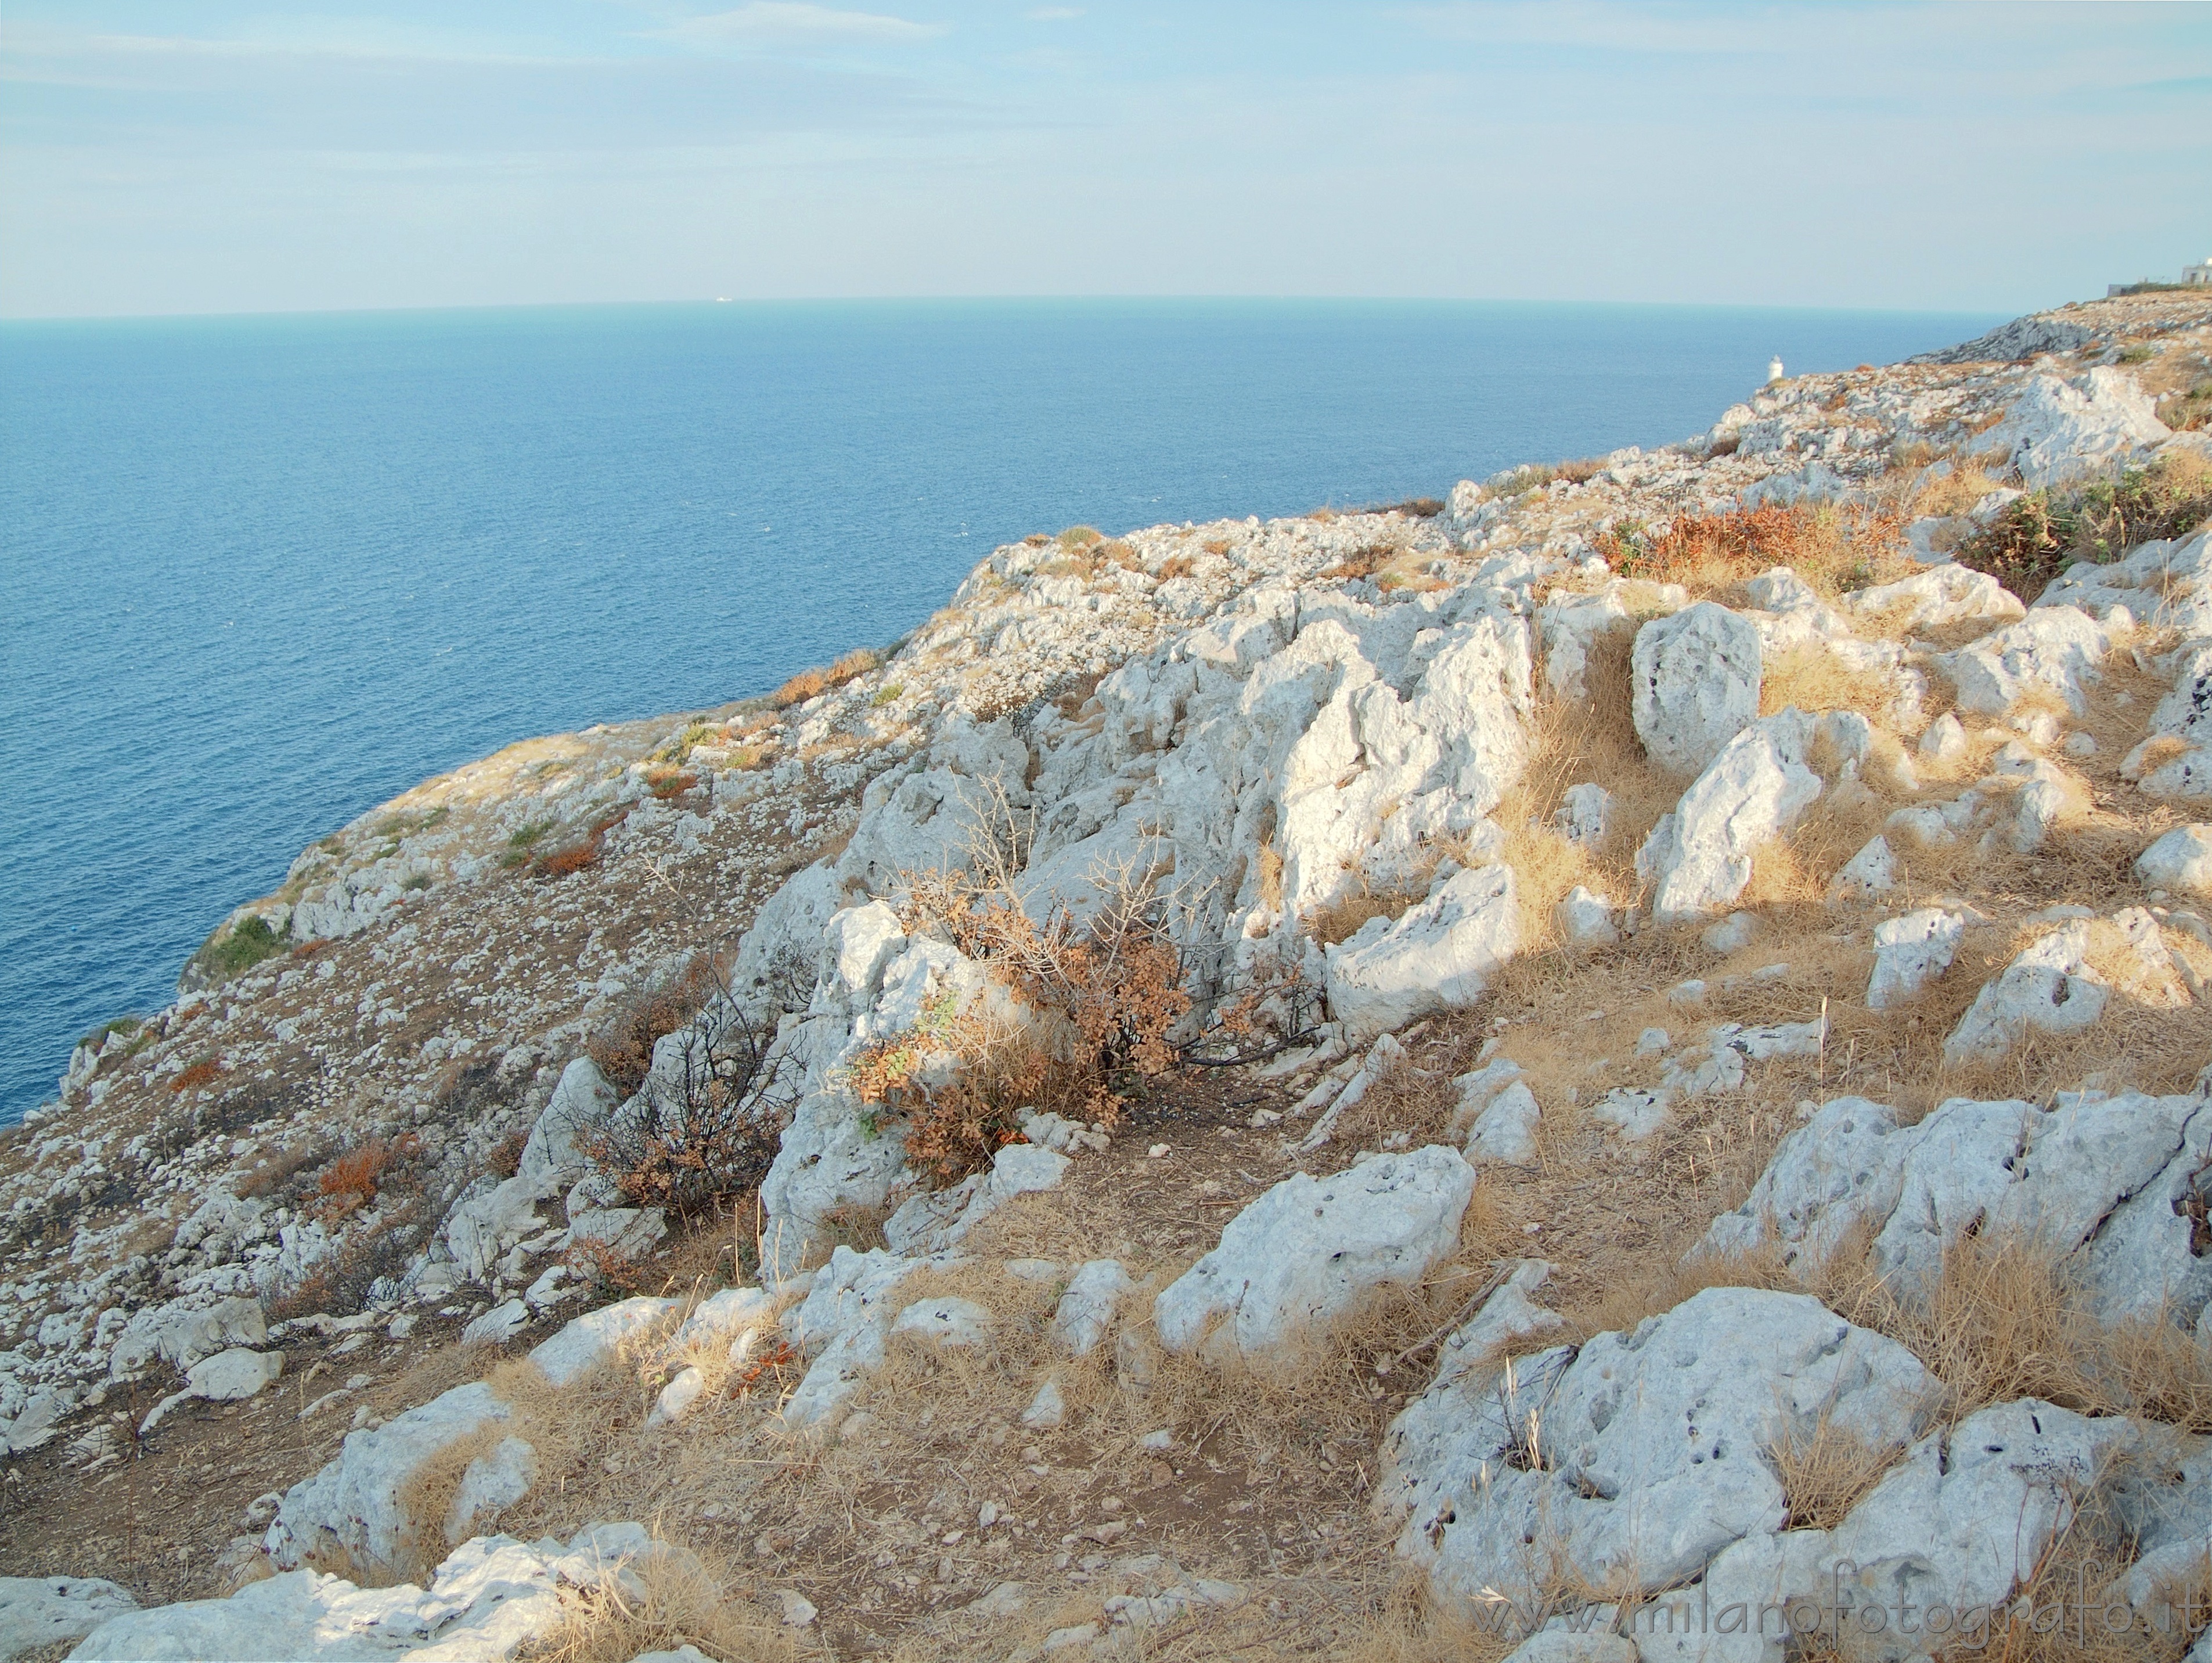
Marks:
<point>1602,24</point>
<point>765,22</point>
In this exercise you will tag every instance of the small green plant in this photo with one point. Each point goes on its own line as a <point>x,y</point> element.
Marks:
<point>420,881</point>
<point>2040,534</point>
<point>886,695</point>
<point>524,839</point>
<point>1081,537</point>
<point>2137,354</point>
<point>123,1026</point>
<point>249,941</point>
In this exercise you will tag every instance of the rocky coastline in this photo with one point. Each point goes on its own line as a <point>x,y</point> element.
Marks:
<point>1533,1074</point>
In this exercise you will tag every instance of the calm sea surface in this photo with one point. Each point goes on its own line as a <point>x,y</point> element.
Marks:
<point>257,574</point>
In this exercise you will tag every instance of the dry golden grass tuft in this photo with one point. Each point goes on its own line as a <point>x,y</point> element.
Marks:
<point>1814,679</point>
<point>1342,919</point>
<point>680,1602</point>
<point>1826,1472</point>
<point>2004,1319</point>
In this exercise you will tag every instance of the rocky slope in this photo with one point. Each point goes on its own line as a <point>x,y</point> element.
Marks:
<point>1613,1066</point>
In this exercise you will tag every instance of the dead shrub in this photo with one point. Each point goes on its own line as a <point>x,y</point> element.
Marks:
<point>205,1072</point>
<point>623,1048</point>
<point>712,1131</point>
<point>1175,566</point>
<point>1832,547</point>
<point>350,1183</point>
<point>608,1271</point>
<point>812,683</point>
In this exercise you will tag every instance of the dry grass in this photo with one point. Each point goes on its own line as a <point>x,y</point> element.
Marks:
<point>2004,1319</point>
<point>1573,742</point>
<point>682,1603</point>
<point>812,683</point>
<point>1826,1472</point>
<point>1815,679</point>
<point>1834,548</point>
<point>1342,919</point>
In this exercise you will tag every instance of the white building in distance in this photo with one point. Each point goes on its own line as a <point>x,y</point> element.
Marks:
<point>2197,276</point>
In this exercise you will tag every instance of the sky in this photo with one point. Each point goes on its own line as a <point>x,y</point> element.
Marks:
<point>179,157</point>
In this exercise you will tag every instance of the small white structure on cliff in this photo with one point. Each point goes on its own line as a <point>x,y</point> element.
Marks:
<point>2198,275</point>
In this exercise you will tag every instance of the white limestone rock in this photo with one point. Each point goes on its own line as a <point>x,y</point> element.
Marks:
<point>1570,624</point>
<point>183,1331</point>
<point>1922,1539</point>
<point>2182,719</point>
<point>1048,1408</point>
<point>1731,934</point>
<point>2058,430</point>
<point>232,1375</point>
<point>490,1597</point>
<point>1630,1463</point>
<point>945,1323</point>
<point>493,1482</point>
<point>1943,740</point>
<point>1695,680</point>
<point>1909,953</point>
<point>2050,988</point>
<point>499,1324</point>
<point>1635,1112</point>
<point>1440,954</point>
<point>1584,813</point>
<point>679,1398</point>
<point>598,1336</point>
<point>1305,1251</point>
<point>842,1324</point>
<point>2056,649</point>
<point>39,1611</point>
<point>1586,918</point>
<point>356,1505</point>
<point>2107,1183</point>
<point>1867,876</point>
<point>1933,599</point>
<point>2181,860</point>
<point>1505,1129</point>
<point>2164,583</point>
<point>1699,855</point>
<point>1085,1314</point>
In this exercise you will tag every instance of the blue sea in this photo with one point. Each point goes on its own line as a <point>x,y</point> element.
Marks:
<point>257,574</point>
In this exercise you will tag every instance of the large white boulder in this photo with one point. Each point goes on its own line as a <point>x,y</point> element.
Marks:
<point>357,1504</point>
<point>1306,1252</point>
<point>490,1597</point>
<point>1956,1528</point>
<point>2108,1182</point>
<point>1909,952</point>
<point>1931,599</point>
<point>2054,649</point>
<point>598,1337</point>
<point>1698,857</point>
<point>1696,683</point>
<point>183,1331</point>
<point>2166,583</point>
<point>2060,430</point>
<point>2181,860</point>
<point>1629,1463</point>
<point>1440,953</point>
<point>2049,987</point>
<point>39,1611</point>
